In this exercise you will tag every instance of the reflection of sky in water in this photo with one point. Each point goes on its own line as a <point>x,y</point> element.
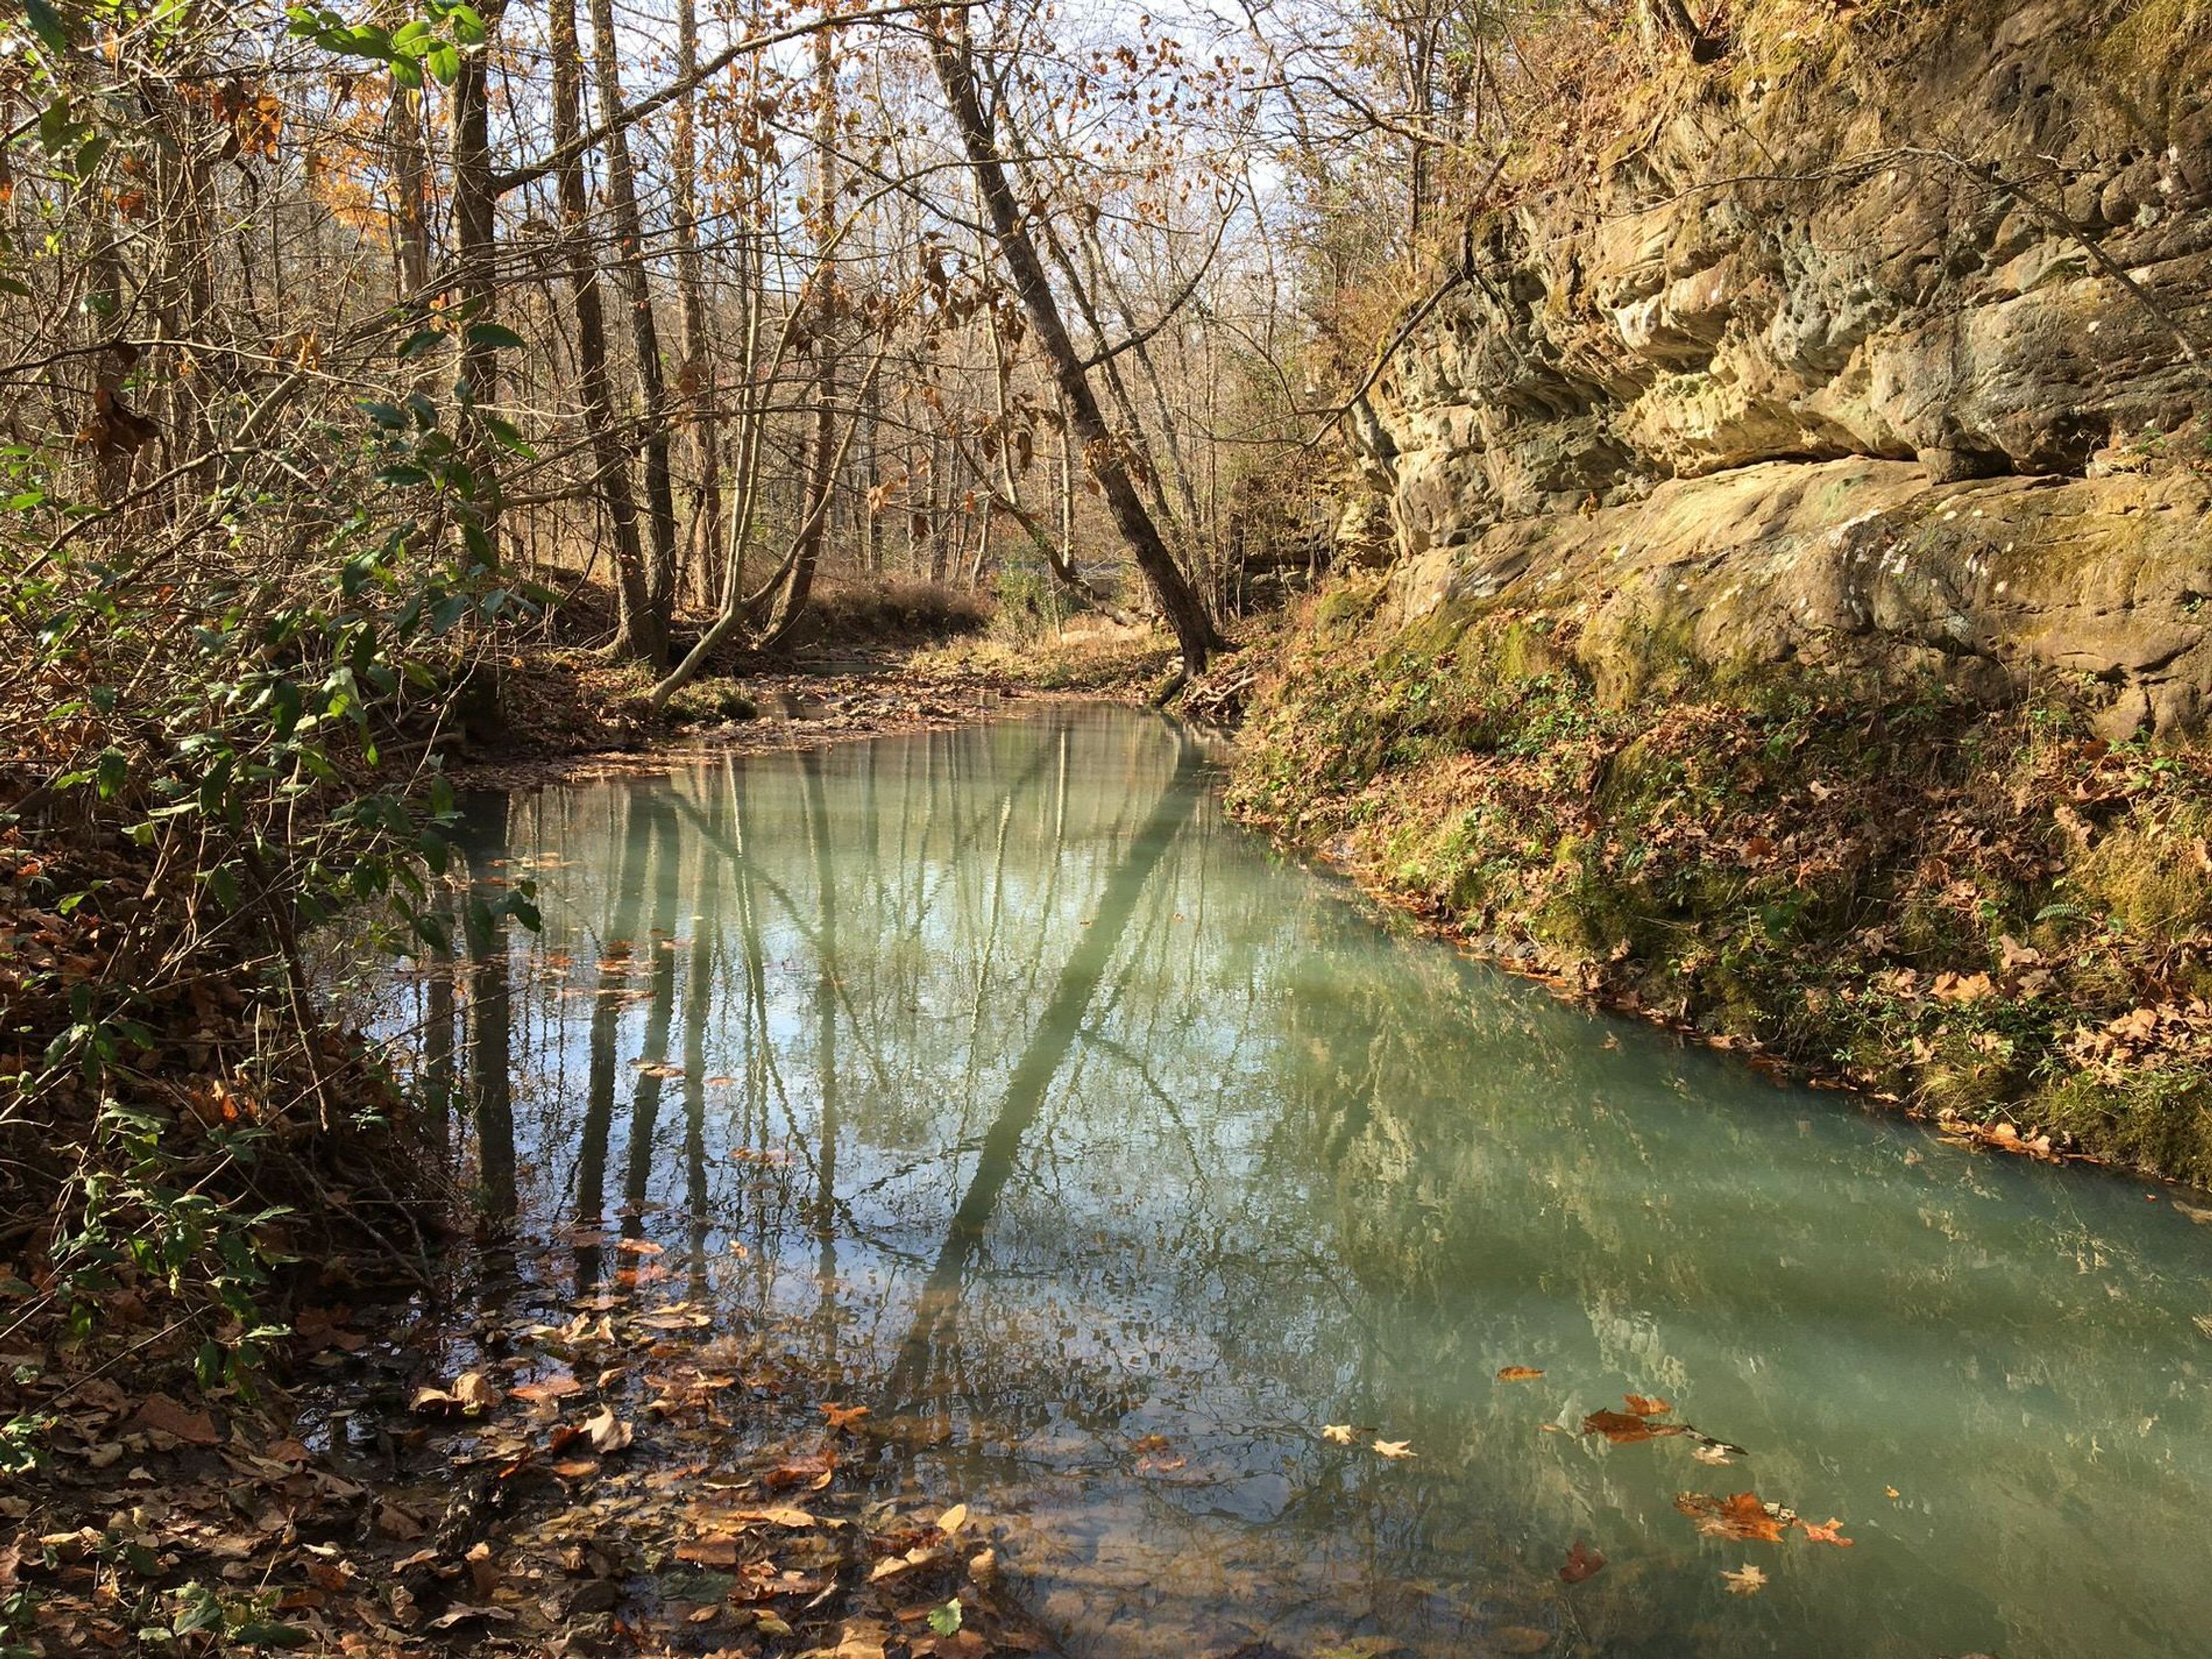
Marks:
<point>1066,1117</point>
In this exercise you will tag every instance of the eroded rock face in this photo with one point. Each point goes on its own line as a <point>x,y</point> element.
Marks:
<point>1864,565</point>
<point>1791,331</point>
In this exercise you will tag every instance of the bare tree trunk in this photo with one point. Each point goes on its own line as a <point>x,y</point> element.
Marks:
<point>645,332</point>
<point>475,202</point>
<point>694,379</point>
<point>410,168</point>
<point>950,52</point>
<point>639,629</point>
<point>824,297</point>
<point>872,525</point>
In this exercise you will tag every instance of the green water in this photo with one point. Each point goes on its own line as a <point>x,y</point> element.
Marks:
<point>1053,1114</point>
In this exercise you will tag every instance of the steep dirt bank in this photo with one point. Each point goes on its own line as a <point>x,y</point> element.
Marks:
<point>1780,598</point>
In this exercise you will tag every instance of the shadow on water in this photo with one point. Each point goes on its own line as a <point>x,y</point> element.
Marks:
<point>1109,1158</point>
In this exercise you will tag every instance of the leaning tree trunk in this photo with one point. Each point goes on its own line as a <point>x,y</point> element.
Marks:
<point>951,54</point>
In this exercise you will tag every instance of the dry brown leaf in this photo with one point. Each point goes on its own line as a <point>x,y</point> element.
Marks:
<point>1747,1581</point>
<point>860,1639</point>
<point>606,1431</point>
<point>1962,988</point>
<point>160,1413</point>
<point>1519,1373</point>
<point>777,1515</point>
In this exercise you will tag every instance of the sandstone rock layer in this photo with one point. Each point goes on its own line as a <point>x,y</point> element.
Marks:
<point>1873,347</point>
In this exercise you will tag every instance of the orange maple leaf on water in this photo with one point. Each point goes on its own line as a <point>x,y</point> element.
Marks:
<point>1519,1373</point>
<point>843,1416</point>
<point>1743,1515</point>
<point>1829,1533</point>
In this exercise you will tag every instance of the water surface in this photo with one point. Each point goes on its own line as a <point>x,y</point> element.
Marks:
<point>1110,1159</point>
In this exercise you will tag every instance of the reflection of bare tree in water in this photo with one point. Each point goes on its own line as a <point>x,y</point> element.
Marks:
<point>438,1033</point>
<point>698,1003</point>
<point>660,1016</point>
<point>491,1013</point>
<point>615,948</point>
<point>929,1350</point>
<point>824,1207</point>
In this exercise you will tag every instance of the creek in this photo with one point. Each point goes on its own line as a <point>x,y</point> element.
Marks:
<point>1109,1158</point>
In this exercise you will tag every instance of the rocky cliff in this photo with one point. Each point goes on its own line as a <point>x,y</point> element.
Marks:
<point>1872,344</point>
<point>1779,602</point>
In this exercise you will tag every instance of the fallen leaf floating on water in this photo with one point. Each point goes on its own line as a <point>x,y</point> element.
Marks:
<point>1395,1448</point>
<point>1338,1434</point>
<point>1743,1515</point>
<point>920,1556</point>
<point>472,1392</point>
<point>639,1247</point>
<point>1626,1428</point>
<point>1830,1532</point>
<point>1746,1580</point>
<point>814,1472</point>
<point>1714,1453</point>
<point>606,1431</point>
<point>946,1621</point>
<point>843,1416</point>
<point>547,1388</point>
<point>716,1551</point>
<point>1583,1562</point>
<point>1646,1406</point>
<point>953,1519</point>
<point>778,1514</point>
<point>1519,1373</point>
